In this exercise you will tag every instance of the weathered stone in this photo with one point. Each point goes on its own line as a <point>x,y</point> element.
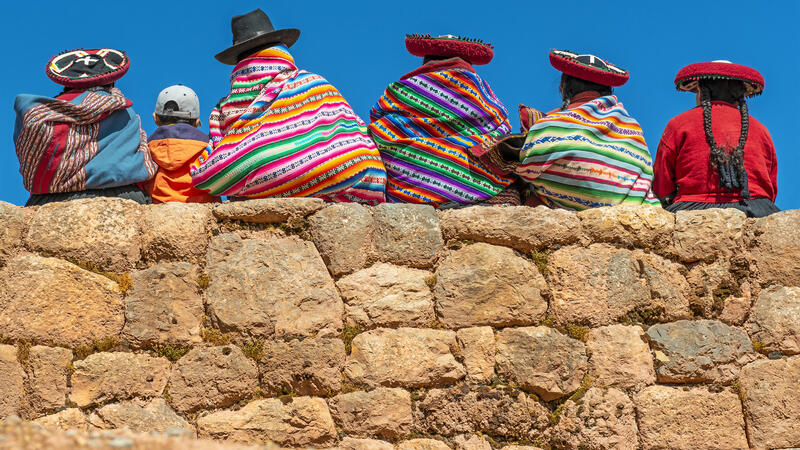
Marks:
<point>775,320</point>
<point>104,377</point>
<point>154,416</point>
<point>771,395</point>
<point>68,419</point>
<point>349,443</point>
<point>776,248</point>
<point>12,230</point>
<point>736,309</point>
<point>12,388</point>
<point>698,351</point>
<point>601,284</point>
<point>268,210</point>
<point>619,356</point>
<point>713,286</point>
<point>422,444</point>
<point>165,307</point>
<point>303,421</point>
<point>407,234</point>
<point>602,418</point>
<point>386,295</point>
<point>504,413</point>
<point>474,442</point>
<point>51,301</point>
<point>343,234</point>
<point>382,412</point>
<point>47,377</point>
<point>101,232</point>
<point>405,357</point>
<point>708,234</point>
<point>689,419</point>
<point>271,287</point>
<point>642,226</point>
<point>212,377</point>
<point>520,227</point>
<point>483,284</point>
<point>175,231</point>
<point>309,367</point>
<point>477,351</point>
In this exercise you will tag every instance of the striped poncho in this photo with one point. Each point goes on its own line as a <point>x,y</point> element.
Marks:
<point>284,132</point>
<point>424,126</point>
<point>589,156</point>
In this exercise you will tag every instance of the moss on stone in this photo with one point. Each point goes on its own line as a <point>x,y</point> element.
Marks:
<point>214,336</point>
<point>540,259</point>
<point>253,348</point>
<point>171,352</point>
<point>349,332</point>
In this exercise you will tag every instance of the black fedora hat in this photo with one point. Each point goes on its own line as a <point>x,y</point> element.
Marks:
<point>253,30</point>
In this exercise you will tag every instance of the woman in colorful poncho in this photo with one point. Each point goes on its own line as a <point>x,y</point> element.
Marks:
<point>425,124</point>
<point>284,132</point>
<point>717,155</point>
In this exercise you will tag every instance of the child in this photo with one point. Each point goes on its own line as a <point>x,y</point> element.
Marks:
<point>175,145</point>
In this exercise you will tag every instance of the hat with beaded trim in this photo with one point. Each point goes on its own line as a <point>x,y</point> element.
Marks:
<point>86,68</point>
<point>474,51</point>
<point>588,67</point>
<point>687,78</point>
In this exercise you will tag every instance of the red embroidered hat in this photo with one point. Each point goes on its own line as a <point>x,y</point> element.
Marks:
<point>687,78</point>
<point>87,68</point>
<point>474,51</point>
<point>588,67</point>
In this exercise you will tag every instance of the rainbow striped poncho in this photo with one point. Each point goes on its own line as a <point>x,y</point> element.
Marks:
<point>424,127</point>
<point>589,156</point>
<point>284,132</point>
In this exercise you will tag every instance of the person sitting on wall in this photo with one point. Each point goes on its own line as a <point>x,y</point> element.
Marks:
<point>284,132</point>
<point>425,124</point>
<point>589,153</point>
<point>87,141</point>
<point>717,155</point>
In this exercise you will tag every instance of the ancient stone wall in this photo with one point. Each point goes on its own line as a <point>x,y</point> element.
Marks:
<point>316,325</point>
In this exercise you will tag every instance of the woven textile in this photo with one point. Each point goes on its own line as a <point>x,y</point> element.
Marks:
<point>424,126</point>
<point>78,141</point>
<point>589,156</point>
<point>284,132</point>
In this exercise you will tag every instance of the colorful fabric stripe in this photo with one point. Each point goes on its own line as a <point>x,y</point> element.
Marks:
<point>589,156</point>
<point>424,127</point>
<point>284,132</point>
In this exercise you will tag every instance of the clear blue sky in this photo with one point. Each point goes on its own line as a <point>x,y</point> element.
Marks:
<point>358,46</point>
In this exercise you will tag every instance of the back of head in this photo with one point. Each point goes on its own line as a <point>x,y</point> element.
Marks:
<point>572,86</point>
<point>177,104</point>
<point>731,91</point>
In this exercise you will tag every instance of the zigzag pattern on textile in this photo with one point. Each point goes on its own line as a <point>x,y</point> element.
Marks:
<point>589,156</point>
<point>424,127</point>
<point>284,132</point>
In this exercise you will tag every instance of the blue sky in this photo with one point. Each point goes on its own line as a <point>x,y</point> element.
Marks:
<point>358,46</point>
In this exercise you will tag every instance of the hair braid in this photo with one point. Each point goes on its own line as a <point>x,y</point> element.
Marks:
<point>729,162</point>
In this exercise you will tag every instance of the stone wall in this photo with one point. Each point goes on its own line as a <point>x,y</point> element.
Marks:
<point>315,325</point>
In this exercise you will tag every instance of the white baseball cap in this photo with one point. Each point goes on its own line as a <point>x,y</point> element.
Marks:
<point>178,101</point>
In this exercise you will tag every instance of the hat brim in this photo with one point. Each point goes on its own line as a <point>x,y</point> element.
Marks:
<point>588,73</point>
<point>231,54</point>
<point>474,52</point>
<point>686,77</point>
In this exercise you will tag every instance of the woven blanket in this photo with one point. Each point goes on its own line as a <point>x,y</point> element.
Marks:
<point>588,156</point>
<point>80,140</point>
<point>284,132</point>
<point>424,126</point>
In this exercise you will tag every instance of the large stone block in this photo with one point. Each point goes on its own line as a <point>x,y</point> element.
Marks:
<point>349,443</point>
<point>155,416</point>
<point>382,412</point>
<point>12,230</point>
<point>213,377</point>
<point>620,356</point>
<point>312,366</point>
<point>775,248</point>
<point>47,377</point>
<point>541,360</point>
<point>699,351</point>
<point>602,418</point>
<point>344,235</point>
<point>104,377</point>
<point>407,234</point>
<point>474,442</point>
<point>478,352</point>
<point>175,231</point>
<point>689,419</point>
<point>483,284</point>
<point>648,227</point>
<point>405,357</point>
<point>422,444</point>
<point>165,307</point>
<point>519,227</point>
<point>713,287</point>
<point>771,395</point>
<point>708,234</point>
<point>303,421</point>
<point>48,300</point>
<point>277,287</point>
<point>386,295</point>
<point>67,419</point>
<point>12,389</point>
<point>775,320</point>
<point>103,232</point>
<point>268,210</point>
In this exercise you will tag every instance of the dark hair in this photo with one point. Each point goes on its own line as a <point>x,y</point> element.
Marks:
<point>571,86</point>
<point>253,51</point>
<point>430,58</point>
<point>166,119</point>
<point>728,161</point>
<point>104,88</point>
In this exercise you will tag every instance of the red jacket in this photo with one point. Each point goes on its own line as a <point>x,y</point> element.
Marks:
<point>683,161</point>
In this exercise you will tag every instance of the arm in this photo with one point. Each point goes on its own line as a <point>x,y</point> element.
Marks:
<point>664,185</point>
<point>773,170</point>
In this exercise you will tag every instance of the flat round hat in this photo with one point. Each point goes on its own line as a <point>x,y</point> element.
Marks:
<point>474,51</point>
<point>86,68</point>
<point>588,67</point>
<point>687,78</point>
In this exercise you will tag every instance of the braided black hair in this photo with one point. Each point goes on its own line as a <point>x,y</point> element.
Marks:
<point>572,86</point>
<point>728,161</point>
